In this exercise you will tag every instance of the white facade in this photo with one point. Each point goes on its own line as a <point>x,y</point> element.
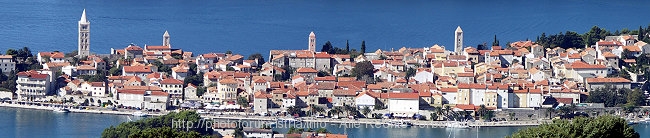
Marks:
<point>502,99</point>
<point>32,86</point>
<point>450,97</point>
<point>258,133</point>
<point>94,88</point>
<point>288,102</point>
<point>424,76</point>
<point>403,105</point>
<point>365,100</point>
<point>534,100</point>
<point>7,64</point>
<point>477,96</point>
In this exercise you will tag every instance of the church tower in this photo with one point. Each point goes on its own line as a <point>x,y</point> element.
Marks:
<point>165,39</point>
<point>84,36</point>
<point>458,40</point>
<point>312,42</point>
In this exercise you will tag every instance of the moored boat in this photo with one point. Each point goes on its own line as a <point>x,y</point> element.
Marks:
<point>61,110</point>
<point>456,124</point>
<point>139,114</point>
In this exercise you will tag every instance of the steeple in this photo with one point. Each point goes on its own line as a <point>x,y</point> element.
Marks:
<point>312,42</point>
<point>83,46</point>
<point>165,38</point>
<point>83,17</point>
<point>458,40</point>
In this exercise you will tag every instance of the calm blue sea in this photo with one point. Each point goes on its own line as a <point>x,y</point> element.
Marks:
<point>259,25</point>
<point>248,27</point>
<point>28,123</point>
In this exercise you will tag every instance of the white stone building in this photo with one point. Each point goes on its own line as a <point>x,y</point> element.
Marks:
<point>32,85</point>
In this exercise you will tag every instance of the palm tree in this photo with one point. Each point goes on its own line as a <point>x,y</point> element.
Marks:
<point>550,112</point>
<point>365,110</point>
<point>315,109</point>
<point>434,117</point>
<point>448,111</point>
<point>482,110</point>
<point>336,110</point>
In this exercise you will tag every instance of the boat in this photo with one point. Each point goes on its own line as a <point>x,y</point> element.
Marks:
<point>456,124</point>
<point>139,114</point>
<point>61,110</point>
<point>400,123</point>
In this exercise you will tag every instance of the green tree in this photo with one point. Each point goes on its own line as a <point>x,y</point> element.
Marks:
<point>72,53</point>
<point>433,117</point>
<point>323,73</point>
<point>347,46</point>
<point>602,126</point>
<point>162,126</point>
<point>363,46</point>
<point>496,41</point>
<point>242,101</point>
<point>327,47</point>
<point>365,110</point>
<point>292,110</point>
<point>635,97</point>
<point>410,72</point>
<point>364,68</point>
<point>259,57</point>
<point>322,130</point>
<point>12,52</point>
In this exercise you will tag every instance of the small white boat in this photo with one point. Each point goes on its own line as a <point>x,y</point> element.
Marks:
<point>139,114</point>
<point>61,110</point>
<point>460,125</point>
<point>400,123</point>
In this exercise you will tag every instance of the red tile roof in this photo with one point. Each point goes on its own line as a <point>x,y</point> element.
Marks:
<point>137,69</point>
<point>403,96</point>
<point>306,70</point>
<point>583,65</point>
<point>171,81</point>
<point>607,80</point>
<point>32,74</point>
<point>157,47</point>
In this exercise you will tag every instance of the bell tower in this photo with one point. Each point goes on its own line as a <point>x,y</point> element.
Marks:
<point>458,40</point>
<point>165,39</point>
<point>83,47</point>
<point>312,42</point>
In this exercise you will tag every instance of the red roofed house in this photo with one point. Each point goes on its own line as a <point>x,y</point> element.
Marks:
<point>366,99</point>
<point>143,98</point>
<point>308,73</point>
<point>175,89</point>
<point>594,83</point>
<point>97,89</point>
<point>227,90</point>
<point>140,71</point>
<point>32,85</point>
<point>405,103</point>
<point>132,51</point>
<point>51,56</point>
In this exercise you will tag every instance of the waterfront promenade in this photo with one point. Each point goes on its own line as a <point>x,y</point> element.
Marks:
<point>93,110</point>
<point>243,116</point>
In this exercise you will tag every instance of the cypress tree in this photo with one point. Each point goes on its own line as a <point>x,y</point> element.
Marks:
<point>363,46</point>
